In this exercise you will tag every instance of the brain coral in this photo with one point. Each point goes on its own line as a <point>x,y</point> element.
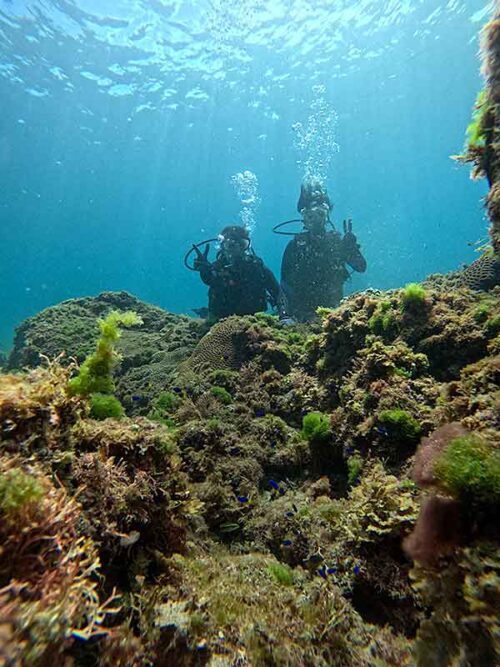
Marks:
<point>225,346</point>
<point>483,274</point>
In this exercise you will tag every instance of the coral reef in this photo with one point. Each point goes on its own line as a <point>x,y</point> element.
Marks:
<point>262,510</point>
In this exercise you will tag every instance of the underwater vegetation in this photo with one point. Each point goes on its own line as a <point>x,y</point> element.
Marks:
<point>94,377</point>
<point>265,509</point>
<point>315,495</point>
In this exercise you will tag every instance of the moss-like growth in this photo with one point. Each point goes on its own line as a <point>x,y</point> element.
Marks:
<point>493,326</point>
<point>16,490</point>
<point>469,469</point>
<point>384,320</point>
<point>94,378</point>
<point>476,130</point>
<point>481,313</point>
<point>413,297</point>
<point>400,424</point>
<point>354,468</point>
<point>316,427</point>
<point>163,406</point>
<point>282,574</point>
<point>221,395</point>
<point>166,401</point>
<point>95,372</point>
<point>103,406</point>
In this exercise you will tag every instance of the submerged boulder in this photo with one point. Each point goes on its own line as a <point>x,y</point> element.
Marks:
<point>149,353</point>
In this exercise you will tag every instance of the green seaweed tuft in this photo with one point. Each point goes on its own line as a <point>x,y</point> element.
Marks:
<point>221,395</point>
<point>413,297</point>
<point>103,406</point>
<point>469,469</point>
<point>95,372</point>
<point>476,130</point>
<point>354,468</point>
<point>400,424</point>
<point>282,574</point>
<point>17,489</point>
<point>316,427</point>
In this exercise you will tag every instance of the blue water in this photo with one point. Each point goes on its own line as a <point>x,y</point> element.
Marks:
<point>123,122</point>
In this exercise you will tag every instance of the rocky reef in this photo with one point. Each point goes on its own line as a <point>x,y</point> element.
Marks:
<point>310,495</point>
<point>148,357</point>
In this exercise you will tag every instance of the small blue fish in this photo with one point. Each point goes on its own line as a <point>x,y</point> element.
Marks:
<point>242,499</point>
<point>282,491</point>
<point>356,569</point>
<point>382,430</point>
<point>331,570</point>
<point>178,390</point>
<point>274,484</point>
<point>260,412</point>
<point>289,514</point>
<point>234,451</point>
<point>136,397</point>
<point>322,572</point>
<point>287,543</point>
<point>349,450</point>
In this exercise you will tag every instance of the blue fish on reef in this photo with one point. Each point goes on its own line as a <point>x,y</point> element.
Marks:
<point>178,390</point>
<point>136,397</point>
<point>260,412</point>
<point>287,543</point>
<point>274,484</point>
<point>242,499</point>
<point>382,430</point>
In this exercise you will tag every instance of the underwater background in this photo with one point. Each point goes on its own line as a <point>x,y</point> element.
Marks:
<point>127,129</point>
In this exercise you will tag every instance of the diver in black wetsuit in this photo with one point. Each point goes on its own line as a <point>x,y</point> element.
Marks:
<point>239,281</point>
<point>313,269</point>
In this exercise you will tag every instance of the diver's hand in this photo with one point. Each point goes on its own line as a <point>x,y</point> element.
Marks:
<point>201,258</point>
<point>349,240</point>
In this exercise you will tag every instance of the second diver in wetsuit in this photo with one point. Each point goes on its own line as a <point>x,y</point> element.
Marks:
<point>239,281</point>
<point>313,269</point>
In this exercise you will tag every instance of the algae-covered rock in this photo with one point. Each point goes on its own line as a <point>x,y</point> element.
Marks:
<point>49,597</point>
<point>257,514</point>
<point>149,354</point>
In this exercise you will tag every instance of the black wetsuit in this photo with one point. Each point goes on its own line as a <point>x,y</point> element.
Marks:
<point>241,286</point>
<point>313,271</point>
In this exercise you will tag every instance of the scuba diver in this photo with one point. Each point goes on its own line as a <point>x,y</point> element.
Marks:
<point>239,281</point>
<point>313,269</point>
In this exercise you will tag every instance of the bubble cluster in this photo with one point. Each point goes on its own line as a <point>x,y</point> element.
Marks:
<point>246,186</point>
<point>315,140</point>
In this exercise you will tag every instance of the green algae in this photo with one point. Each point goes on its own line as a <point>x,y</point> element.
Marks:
<point>103,406</point>
<point>95,374</point>
<point>316,427</point>
<point>221,395</point>
<point>413,297</point>
<point>18,489</point>
<point>354,468</point>
<point>477,128</point>
<point>400,424</point>
<point>469,469</point>
<point>283,574</point>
